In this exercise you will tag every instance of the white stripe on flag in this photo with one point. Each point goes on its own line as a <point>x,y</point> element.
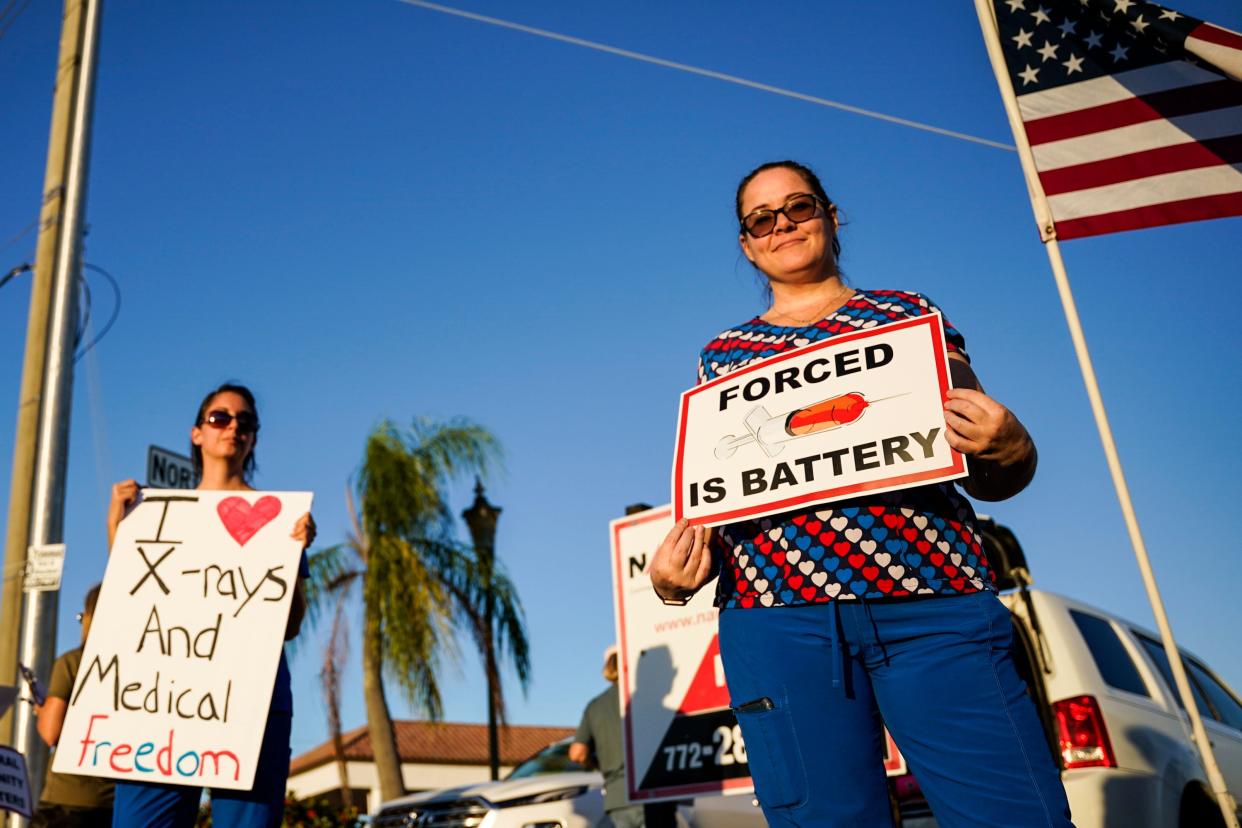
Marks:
<point>1111,88</point>
<point>1138,138</point>
<point>1144,192</point>
<point>1223,57</point>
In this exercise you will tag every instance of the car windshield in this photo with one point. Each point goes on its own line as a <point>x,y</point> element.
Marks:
<point>552,759</point>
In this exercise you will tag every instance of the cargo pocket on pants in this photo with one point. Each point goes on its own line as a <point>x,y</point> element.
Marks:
<point>772,752</point>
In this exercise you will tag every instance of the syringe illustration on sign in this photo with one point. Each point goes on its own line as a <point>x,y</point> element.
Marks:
<point>772,432</point>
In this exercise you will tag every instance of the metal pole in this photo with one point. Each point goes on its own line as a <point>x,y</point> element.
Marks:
<point>51,227</point>
<point>38,638</point>
<point>481,519</point>
<point>1047,229</point>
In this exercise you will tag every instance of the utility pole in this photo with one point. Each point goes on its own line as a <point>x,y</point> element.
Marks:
<point>40,456</point>
<point>481,519</point>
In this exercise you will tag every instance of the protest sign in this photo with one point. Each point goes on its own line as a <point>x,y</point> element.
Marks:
<point>14,783</point>
<point>681,737</point>
<point>177,674</point>
<point>860,412</point>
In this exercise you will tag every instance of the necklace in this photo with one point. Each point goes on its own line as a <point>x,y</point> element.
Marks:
<point>815,317</point>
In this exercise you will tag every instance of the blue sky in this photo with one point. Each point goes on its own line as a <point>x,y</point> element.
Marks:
<point>370,210</point>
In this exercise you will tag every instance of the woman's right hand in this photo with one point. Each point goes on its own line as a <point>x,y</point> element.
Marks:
<point>683,563</point>
<point>124,495</point>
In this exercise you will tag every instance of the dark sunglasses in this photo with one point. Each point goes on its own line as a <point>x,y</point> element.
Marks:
<point>798,208</point>
<point>247,423</point>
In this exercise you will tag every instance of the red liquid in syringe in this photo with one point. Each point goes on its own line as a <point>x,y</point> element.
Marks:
<point>822,416</point>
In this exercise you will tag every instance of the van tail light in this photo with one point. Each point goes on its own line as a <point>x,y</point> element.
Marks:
<point>1082,734</point>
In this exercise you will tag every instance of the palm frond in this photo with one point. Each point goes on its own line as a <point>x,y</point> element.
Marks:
<point>333,569</point>
<point>480,591</point>
<point>407,603</point>
<point>510,619</point>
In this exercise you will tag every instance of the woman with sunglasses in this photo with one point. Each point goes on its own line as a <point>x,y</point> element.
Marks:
<point>222,443</point>
<point>818,660</point>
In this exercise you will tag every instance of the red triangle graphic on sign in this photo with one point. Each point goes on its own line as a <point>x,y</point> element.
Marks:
<point>708,690</point>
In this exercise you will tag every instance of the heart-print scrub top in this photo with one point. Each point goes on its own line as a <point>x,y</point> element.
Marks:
<point>917,541</point>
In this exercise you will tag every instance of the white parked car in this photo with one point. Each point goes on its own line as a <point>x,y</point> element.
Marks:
<point>1114,720</point>
<point>545,791</point>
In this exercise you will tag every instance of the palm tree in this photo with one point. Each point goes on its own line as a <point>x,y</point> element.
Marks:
<point>335,655</point>
<point>417,584</point>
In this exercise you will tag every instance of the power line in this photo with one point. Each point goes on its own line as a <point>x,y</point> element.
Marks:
<point>25,267</point>
<point>707,73</point>
<point>116,310</point>
<point>5,25</point>
<point>16,237</point>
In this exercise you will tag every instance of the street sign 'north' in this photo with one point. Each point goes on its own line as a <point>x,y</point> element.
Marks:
<point>169,470</point>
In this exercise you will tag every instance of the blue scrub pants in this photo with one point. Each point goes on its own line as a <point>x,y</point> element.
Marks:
<point>938,670</point>
<point>156,805</point>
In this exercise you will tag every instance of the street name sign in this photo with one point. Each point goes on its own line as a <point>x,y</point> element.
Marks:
<point>169,470</point>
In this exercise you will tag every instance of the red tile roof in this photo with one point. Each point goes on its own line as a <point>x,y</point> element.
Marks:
<point>440,743</point>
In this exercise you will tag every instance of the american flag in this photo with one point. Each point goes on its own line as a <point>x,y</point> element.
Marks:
<point>1133,111</point>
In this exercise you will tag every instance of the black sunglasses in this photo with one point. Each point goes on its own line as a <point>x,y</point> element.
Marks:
<point>247,423</point>
<point>798,208</point>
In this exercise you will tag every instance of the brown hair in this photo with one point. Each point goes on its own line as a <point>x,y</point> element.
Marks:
<point>610,667</point>
<point>92,598</point>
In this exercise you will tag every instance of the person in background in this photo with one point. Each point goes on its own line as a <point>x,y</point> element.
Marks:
<point>598,743</point>
<point>69,801</point>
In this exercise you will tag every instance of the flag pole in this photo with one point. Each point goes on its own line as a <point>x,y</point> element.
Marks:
<point>1047,232</point>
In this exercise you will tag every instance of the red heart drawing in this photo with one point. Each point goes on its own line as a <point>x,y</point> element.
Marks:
<point>243,520</point>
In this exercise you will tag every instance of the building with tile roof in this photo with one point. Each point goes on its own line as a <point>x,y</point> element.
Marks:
<point>433,755</point>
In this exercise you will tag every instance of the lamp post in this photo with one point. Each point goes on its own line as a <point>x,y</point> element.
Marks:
<point>481,518</point>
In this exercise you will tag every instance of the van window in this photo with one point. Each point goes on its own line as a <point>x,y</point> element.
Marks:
<point>1116,667</point>
<point>1228,710</point>
<point>1155,651</point>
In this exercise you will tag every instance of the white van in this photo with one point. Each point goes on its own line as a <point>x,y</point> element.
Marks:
<point>1114,720</point>
<point>1121,735</point>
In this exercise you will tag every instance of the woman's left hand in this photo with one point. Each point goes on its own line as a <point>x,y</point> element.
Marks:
<point>304,530</point>
<point>979,426</point>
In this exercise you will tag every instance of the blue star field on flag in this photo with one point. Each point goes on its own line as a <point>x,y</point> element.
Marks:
<point>1049,43</point>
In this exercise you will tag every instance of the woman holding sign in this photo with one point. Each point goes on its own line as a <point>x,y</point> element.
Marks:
<point>222,445</point>
<point>879,609</point>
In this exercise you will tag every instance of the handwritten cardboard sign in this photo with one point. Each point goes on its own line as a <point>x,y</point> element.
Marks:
<point>860,412</point>
<point>177,675</point>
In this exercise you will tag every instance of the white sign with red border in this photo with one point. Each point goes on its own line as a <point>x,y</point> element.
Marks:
<point>681,737</point>
<point>860,412</point>
<point>177,674</point>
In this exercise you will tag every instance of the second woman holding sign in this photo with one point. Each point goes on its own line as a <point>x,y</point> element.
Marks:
<point>878,606</point>
<point>222,443</point>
